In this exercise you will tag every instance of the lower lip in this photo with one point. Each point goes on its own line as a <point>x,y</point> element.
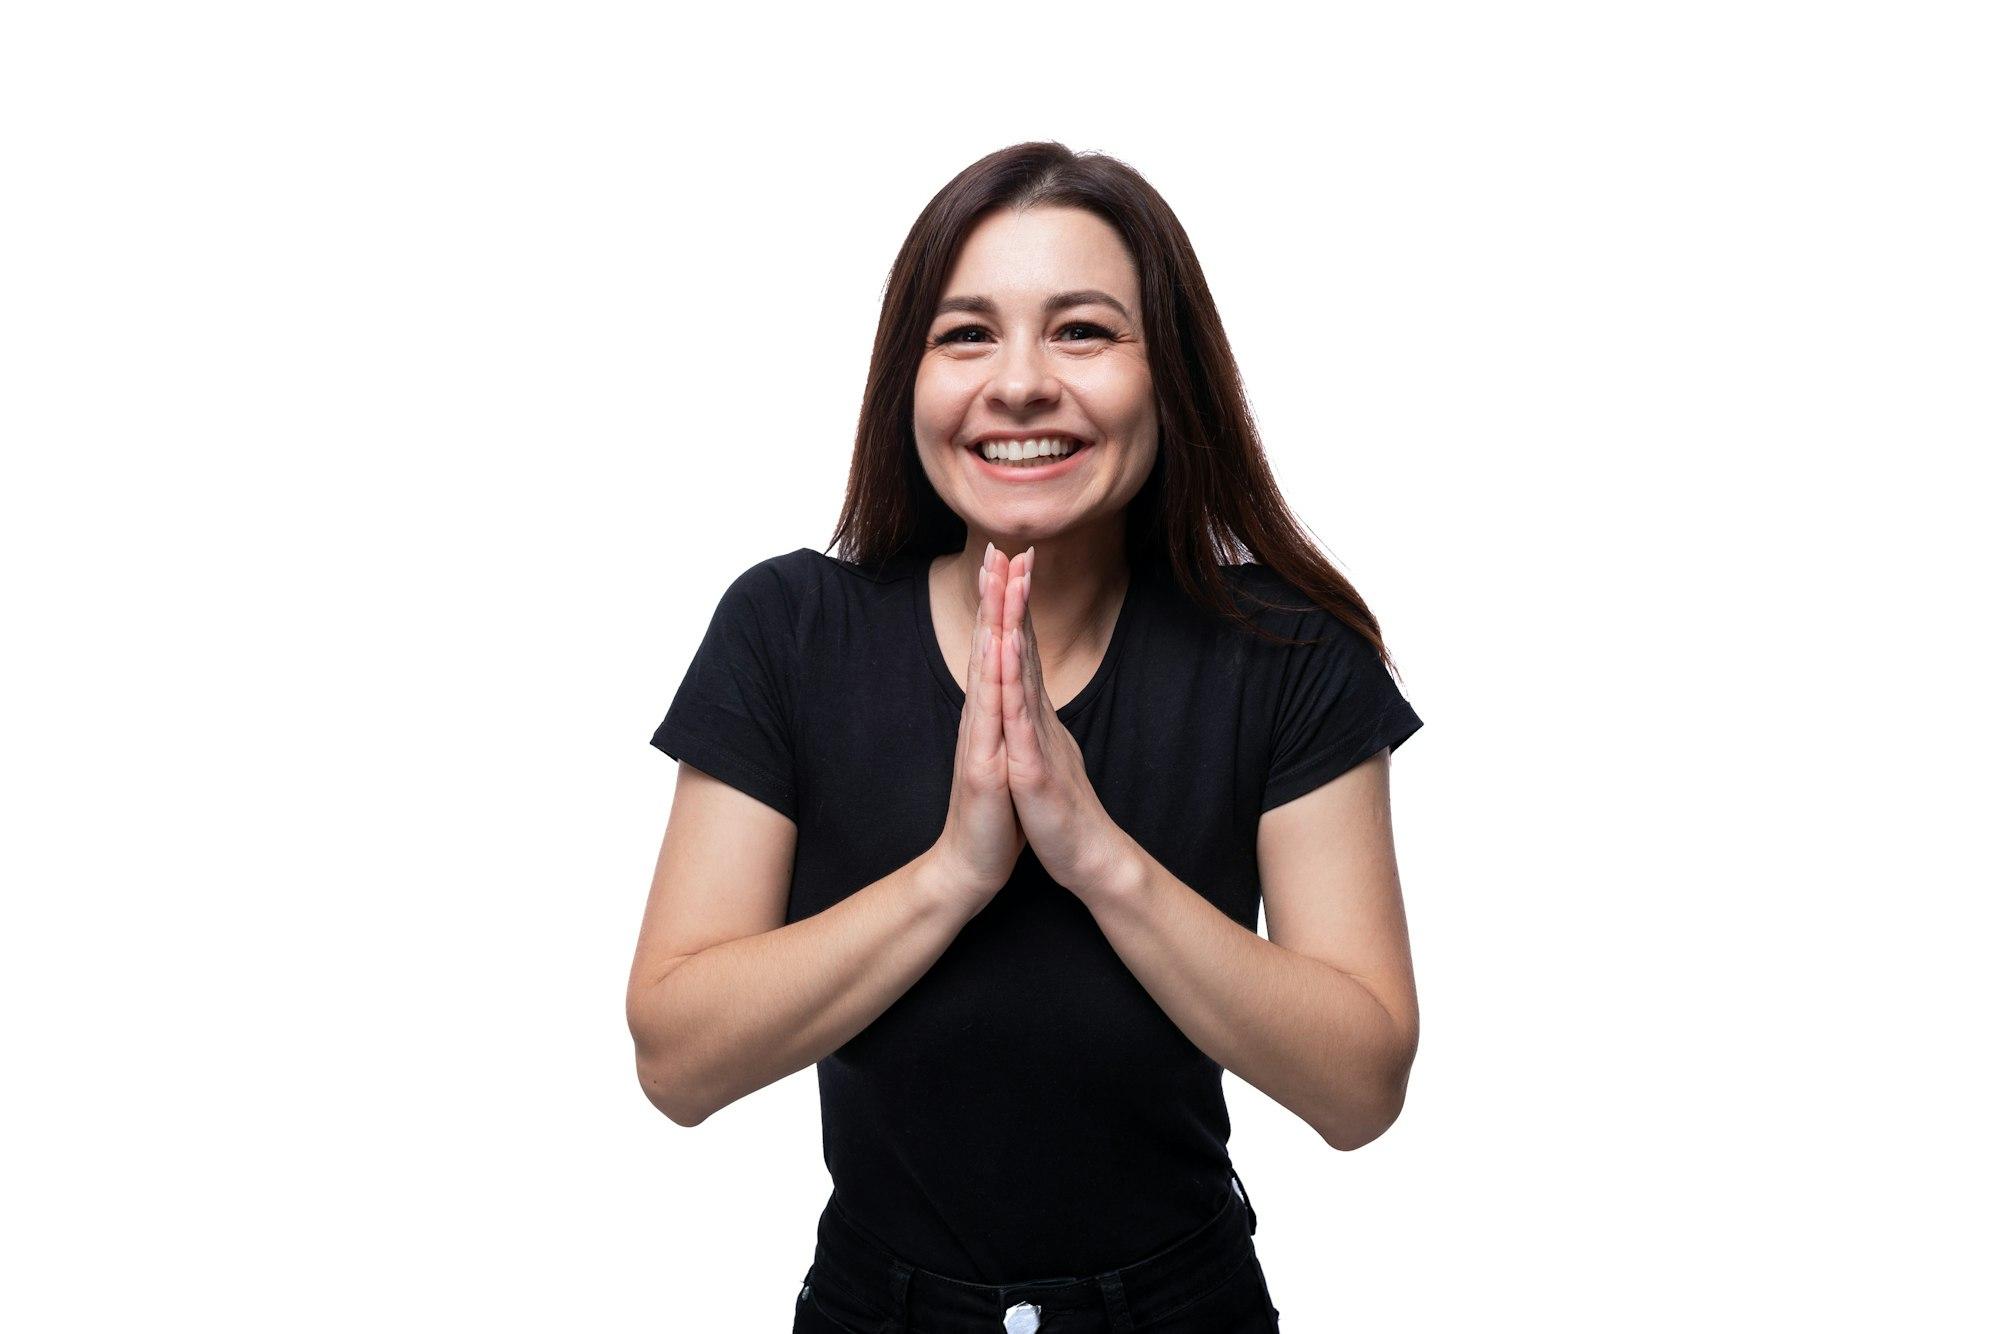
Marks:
<point>1014,472</point>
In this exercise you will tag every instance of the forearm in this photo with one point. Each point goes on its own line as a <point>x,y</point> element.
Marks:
<point>746,1013</point>
<point>1308,1035</point>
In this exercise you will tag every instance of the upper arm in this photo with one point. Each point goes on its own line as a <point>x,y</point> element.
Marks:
<point>724,872</point>
<point>1327,861</point>
<point>725,864</point>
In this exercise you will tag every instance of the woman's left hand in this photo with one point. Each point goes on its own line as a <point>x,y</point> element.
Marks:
<point>1074,838</point>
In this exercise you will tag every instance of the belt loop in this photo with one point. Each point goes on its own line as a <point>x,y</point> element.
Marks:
<point>899,1300</point>
<point>1113,1288</point>
<point>1244,1195</point>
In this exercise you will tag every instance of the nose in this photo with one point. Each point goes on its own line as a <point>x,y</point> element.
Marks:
<point>1021,377</point>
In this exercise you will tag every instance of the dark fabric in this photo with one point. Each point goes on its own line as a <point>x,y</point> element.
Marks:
<point>1025,1107</point>
<point>1209,1281</point>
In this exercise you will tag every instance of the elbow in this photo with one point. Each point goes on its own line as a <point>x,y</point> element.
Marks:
<point>1349,1138</point>
<point>662,1078</point>
<point>1350,1134</point>
<point>1367,1123</point>
<point>669,1093</point>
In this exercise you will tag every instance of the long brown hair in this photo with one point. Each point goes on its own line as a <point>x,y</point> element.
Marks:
<point>1210,497</point>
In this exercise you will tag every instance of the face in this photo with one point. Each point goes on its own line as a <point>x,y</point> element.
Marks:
<point>1038,335</point>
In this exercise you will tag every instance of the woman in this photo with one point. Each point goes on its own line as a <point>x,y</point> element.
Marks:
<point>976,817</point>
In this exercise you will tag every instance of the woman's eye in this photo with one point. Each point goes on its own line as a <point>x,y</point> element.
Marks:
<point>1090,331</point>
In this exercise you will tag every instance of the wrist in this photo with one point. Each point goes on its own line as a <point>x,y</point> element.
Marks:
<point>942,884</point>
<point>1118,874</point>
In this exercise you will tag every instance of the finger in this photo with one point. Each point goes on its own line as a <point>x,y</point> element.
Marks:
<point>1031,648</point>
<point>1017,593</point>
<point>988,736</point>
<point>984,737</point>
<point>993,607</point>
<point>974,651</point>
<point>1013,683</point>
<point>1020,587</point>
<point>968,711</point>
<point>993,590</point>
<point>1013,603</point>
<point>1017,727</point>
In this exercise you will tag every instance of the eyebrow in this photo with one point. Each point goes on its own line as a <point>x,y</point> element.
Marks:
<point>983,305</point>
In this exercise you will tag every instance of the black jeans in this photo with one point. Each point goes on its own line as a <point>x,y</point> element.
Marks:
<point>1206,1282</point>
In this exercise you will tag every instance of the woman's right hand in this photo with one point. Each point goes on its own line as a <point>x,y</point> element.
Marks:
<point>982,836</point>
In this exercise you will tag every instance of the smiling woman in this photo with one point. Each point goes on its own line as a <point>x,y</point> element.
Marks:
<point>1009,364</point>
<point>977,816</point>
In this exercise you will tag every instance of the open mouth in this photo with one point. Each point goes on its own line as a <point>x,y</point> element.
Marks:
<point>1028,459</point>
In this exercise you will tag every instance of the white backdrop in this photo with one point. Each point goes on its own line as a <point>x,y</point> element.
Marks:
<point>390,390</point>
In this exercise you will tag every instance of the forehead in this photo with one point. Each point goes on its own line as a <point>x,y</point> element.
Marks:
<point>1020,256</point>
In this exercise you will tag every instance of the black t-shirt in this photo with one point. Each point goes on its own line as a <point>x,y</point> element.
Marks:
<point>1025,1108</point>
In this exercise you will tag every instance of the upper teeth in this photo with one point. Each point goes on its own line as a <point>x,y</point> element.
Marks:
<point>1056,446</point>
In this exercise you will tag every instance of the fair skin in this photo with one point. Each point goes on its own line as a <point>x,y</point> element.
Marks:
<point>726,997</point>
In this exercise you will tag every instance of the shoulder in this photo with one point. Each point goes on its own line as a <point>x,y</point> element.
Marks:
<point>1261,582</point>
<point>784,581</point>
<point>1255,591</point>
<point>791,571</point>
<point>1282,607</point>
<point>1273,599</point>
<point>797,588</point>
<point>807,569</point>
<point>770,601</point>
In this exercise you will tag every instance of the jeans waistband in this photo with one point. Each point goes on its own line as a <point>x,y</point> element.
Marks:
<point>849,1257</point>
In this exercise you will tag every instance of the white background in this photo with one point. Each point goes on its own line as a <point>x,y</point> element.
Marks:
<point>390,390</point>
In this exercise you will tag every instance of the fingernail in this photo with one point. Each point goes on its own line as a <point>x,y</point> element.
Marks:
<point>987,559</point>
<point>1026,580</point>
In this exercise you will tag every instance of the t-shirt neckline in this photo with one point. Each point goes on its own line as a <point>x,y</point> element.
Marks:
<point>920,605</point>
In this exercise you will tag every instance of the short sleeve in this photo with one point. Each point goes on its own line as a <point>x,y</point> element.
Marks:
<point>1337,706</point>
<point>732,716</point>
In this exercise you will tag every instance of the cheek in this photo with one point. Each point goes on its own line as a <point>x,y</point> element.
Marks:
<point>938,402</point>
<point>1119,397</point>
<point>924,397</point>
